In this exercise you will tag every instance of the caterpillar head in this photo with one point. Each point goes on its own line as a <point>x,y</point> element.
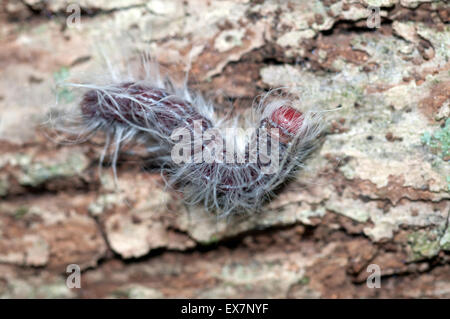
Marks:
<point>286,120</point>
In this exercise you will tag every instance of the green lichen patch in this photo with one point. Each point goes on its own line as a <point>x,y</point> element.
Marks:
<point>62,93</point>
<point>21,212</point>
<point>304,281</point>
<point>439,141</point>
<point>427,244</point>
<point>4,185</point>
<point>38,173</point>
<point>54,290</point>
<point>19,288</point>
<point>423,245</point>
<point>214,239</point>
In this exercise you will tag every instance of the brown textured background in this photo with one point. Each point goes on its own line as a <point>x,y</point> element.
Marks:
<point>374,192</point>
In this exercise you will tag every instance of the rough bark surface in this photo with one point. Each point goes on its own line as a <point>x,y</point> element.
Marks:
<point>375,192</point>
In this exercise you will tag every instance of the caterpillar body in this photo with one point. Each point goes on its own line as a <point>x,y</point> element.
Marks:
<point>166,118</point>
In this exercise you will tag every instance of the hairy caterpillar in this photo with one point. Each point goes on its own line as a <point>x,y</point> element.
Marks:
<point>239,173</point>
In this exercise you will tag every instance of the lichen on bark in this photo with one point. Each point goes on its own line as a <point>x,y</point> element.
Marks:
<point>376,191</point>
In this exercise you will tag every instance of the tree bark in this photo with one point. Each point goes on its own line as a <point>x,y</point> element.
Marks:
<point>375,192</point>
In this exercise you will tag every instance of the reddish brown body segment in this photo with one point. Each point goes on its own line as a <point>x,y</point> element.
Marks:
<point>141,105</point>
<point>288,121</point>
